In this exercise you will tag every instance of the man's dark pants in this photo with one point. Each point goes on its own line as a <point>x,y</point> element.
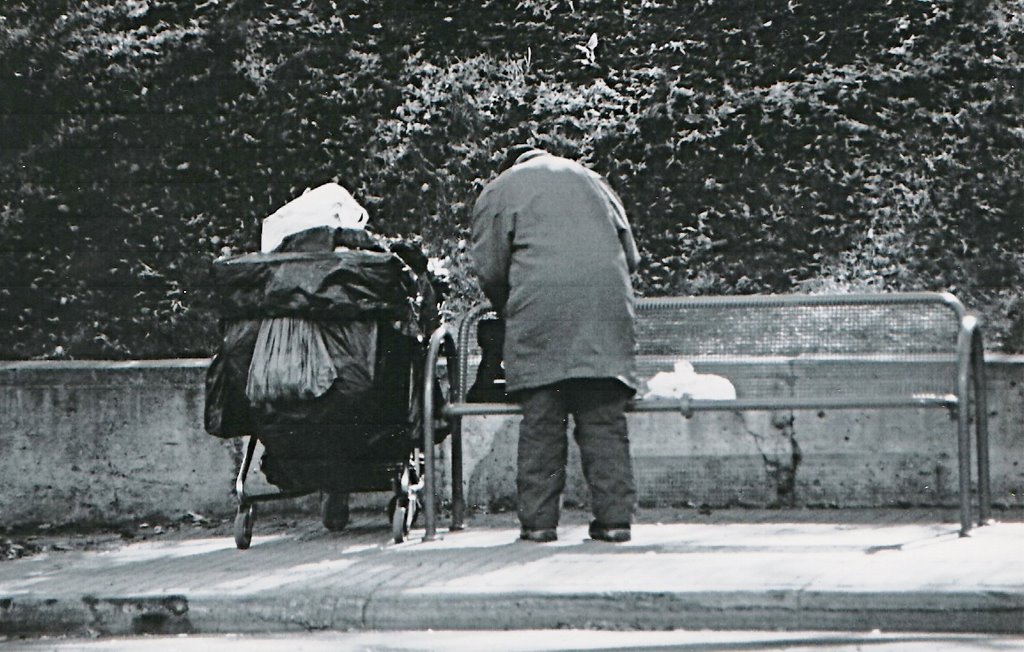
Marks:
<point>597,406</point>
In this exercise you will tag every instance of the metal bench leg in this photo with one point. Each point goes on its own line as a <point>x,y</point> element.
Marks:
<point>964,458</point>
<point>981,430</point>
<point>455,392</point>
<point>458,498</point>
<point>429,523</point>
<point>429,484</point>
<point>963,428</point>
<point>458,370</point>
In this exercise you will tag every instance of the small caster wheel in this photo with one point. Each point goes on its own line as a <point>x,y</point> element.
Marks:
<point>398,512</point>
<point>244,520</point>
<point>402,516</point>
<point>334,510</point>
<point>398,529</point>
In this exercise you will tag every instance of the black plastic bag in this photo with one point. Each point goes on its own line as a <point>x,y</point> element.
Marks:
<point>227,412</point>
<point>310,442</point>
<point>489,386</point>
<point>290,361</point>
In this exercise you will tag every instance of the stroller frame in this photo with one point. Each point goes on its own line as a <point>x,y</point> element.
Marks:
<point>408,481</point>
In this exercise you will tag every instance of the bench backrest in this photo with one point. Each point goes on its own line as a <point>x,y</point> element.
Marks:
<point>803,345</point>
<point>798,345</point>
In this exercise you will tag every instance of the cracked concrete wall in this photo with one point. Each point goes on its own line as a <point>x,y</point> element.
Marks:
<point>107,442</point>
<point>114,442</point>
<point>835,458</point>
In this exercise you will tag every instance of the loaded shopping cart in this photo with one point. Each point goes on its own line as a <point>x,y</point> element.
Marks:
<point>321,361</point>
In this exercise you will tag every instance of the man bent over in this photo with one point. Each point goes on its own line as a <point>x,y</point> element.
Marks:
<point>553,252</point>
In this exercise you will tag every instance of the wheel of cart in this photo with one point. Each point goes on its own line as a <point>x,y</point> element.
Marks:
<point>405,480</point>
<point>405,505</point>
<point>244,520</point>
<point>245,516</point>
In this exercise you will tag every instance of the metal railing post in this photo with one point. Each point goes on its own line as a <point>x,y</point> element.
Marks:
<point>455,388</point>
<point>429,477</point>
<point>981,426</point>
<point>964,347</point>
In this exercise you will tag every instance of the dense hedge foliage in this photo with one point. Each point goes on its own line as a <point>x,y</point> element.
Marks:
<point>768,146</point>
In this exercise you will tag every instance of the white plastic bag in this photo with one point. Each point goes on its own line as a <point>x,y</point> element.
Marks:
<point>684,380</point>
<point>327,205</point>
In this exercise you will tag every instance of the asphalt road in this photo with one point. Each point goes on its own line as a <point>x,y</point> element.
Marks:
<point>540,641</point>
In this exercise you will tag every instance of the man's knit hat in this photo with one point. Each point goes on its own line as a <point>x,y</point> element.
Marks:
<point>517,154</point>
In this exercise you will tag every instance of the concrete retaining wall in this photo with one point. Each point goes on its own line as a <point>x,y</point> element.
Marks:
<point>834,458</point>
<point>94,442</point>
<point>108,442</point>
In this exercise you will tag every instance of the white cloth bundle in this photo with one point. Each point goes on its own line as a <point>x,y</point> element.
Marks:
<point>327,205</point>
<point>685,381</point>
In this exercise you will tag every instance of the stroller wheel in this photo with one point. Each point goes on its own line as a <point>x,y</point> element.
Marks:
<point>244,520</point>
<point>398,531</point>
<point>334,510</point>
<point>402,516</point>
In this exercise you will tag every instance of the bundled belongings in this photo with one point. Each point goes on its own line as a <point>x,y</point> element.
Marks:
<point>683,380</point>
<point>321,360</point>
<point>328,205</point>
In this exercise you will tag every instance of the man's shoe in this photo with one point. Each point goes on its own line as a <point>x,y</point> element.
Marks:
<point>539,536</point>
<point>611,534</point>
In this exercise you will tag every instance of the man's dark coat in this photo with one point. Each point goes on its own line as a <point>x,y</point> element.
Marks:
<point>553,252</point>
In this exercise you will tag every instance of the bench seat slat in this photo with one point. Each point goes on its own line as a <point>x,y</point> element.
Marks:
<point>699,405</point>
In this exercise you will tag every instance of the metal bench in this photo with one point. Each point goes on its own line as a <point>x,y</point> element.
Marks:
<point>930,333</point>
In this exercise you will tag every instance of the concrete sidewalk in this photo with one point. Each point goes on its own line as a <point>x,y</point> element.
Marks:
<point>793,574</point>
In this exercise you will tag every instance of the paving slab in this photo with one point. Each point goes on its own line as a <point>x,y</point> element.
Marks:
<point>789,575</point>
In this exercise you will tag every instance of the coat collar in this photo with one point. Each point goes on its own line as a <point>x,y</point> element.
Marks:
<point>530,155</point>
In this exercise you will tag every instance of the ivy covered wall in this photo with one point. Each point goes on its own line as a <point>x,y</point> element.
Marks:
<point>759,146</point>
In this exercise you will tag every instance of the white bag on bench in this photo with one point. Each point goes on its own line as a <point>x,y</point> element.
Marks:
<point>685,381</point>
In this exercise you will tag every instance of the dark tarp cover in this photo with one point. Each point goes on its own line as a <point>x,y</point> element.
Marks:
<point>318,285</point>
<point>372,310</point>
<point>227,412</point>
<point>339,294</point>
